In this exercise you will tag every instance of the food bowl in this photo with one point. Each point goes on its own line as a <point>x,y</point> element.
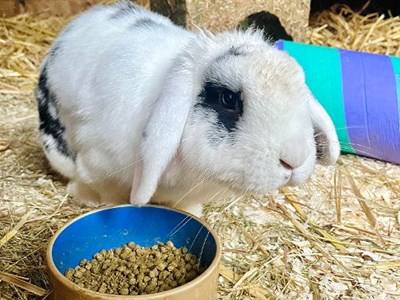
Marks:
<point>146,226</point>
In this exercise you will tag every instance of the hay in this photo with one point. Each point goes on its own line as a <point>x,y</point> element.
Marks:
<point>335,237</point>
<point>342,28</point>
<point>225,14</point>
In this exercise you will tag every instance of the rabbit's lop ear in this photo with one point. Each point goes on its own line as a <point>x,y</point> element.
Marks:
<point>328,147</point>
<point>162,135</point>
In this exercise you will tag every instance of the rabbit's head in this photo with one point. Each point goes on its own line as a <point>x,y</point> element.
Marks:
<point>237,110</point>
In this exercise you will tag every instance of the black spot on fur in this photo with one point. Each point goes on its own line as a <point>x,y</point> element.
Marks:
<point>145,22</point>
<point>126,8</point>
<point>54,50</point>
<point>233,51</point>
<point>70,26</point>
<point>217,134</point>
<point>50,124</point>
<point>212,98</point>
<point>131,6</point>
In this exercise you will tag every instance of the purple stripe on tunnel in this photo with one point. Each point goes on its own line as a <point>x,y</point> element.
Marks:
<point>279,44</point>
<point>370,98</point>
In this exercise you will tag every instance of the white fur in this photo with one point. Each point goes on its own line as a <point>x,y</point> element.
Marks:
<point>126,97</point>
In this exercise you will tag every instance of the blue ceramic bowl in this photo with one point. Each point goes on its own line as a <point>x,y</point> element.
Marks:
<point>113,227</point>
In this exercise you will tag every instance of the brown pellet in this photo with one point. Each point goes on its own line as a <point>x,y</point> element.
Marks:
<point>135,270</point>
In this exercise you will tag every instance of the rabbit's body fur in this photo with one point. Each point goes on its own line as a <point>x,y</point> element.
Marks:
<point>124,111</point>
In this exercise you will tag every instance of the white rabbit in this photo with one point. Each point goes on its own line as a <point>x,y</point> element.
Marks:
<point>134,107</point>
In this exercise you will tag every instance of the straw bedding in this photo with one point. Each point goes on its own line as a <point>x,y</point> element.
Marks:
<point>337,237</point>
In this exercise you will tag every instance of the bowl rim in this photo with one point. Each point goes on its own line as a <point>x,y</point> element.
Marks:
<point>159,295</point>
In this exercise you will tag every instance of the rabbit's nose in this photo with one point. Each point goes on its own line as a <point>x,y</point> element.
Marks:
<point>293,154</point>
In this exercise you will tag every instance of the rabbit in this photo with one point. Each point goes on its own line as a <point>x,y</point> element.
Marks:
<point>134,108</point>
<point>271,25</point>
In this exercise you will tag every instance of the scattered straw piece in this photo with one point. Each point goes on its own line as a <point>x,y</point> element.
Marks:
<point>388,264</point>
<point>228,274</point>
<point>294,202</point>
<point>370,216</point>
<point>12,279</point>
<point>245,276</point>
<point>337,195</point>
<point>259,293</point>
<point>9,235</point>
<point>4,145</point>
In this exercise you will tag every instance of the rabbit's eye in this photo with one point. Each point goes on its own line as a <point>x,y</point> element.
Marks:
<point>226,103</point>
<point>229,100</point>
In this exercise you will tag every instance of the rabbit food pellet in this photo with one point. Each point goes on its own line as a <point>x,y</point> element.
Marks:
<point>135,270</point>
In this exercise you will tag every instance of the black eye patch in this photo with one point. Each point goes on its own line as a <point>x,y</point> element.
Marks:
<point>226,103</point>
